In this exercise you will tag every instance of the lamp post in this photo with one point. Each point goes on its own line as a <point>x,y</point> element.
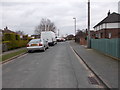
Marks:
<point>75,24</point>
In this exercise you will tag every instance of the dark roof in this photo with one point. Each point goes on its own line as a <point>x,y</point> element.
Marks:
<point>112,18</point>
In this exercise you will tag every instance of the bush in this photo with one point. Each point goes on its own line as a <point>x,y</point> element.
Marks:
<point>12,41</point>
<point>22,43</point>
<point>9,37</point>
<point>5,45</point>
<point>14,44</point>
<point>85,38</point>
<point>17,37</point>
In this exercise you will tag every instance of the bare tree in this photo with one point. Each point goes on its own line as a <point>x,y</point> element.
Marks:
<point>45,25</point>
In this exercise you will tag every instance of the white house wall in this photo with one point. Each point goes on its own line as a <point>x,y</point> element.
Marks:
<point>118,25</point>
<point>108,26</point>
<point>112,25</point>
<point>104,25</point>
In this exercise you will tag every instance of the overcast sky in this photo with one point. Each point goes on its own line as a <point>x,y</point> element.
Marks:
<point>25,15</point>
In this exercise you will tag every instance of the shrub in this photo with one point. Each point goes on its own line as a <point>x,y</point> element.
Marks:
<point>12,41</point>
<point>22,43</point>
<point>15,44</point>
<point>5,45</point>
<point>9,36</point>
<point>17,37</point>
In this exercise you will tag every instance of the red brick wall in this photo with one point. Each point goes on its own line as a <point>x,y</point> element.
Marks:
<point>115,33</point>
<point>83,41</point>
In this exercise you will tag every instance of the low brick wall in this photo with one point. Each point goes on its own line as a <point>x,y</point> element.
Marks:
<point>83,41</point>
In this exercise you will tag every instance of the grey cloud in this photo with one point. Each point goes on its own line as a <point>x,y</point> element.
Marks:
<point>26,15</point>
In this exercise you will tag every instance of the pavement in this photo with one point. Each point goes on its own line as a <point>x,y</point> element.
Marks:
<point>104,67</point>
<point>57,67</point>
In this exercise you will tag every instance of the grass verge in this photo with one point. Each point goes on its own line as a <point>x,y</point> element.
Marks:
<point>10,55</point>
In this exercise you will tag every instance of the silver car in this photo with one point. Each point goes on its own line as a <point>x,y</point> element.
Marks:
<point>37,44</point>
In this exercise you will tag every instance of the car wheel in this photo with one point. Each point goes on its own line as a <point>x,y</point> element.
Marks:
<point>43,49</point>
<point>48,47</point>
<point>53,44</point>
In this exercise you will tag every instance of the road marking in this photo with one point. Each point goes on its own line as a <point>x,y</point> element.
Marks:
<point>79,59</point>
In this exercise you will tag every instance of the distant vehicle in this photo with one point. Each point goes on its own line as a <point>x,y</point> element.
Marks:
<point>60,39</point>
<point>50,37</point>
<point>37,44</point>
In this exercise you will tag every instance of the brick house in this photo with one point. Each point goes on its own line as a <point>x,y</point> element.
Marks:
<point>6,30</point>
<point>108,27</point>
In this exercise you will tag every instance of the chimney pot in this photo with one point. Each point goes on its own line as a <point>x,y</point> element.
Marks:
<point>108,12</point>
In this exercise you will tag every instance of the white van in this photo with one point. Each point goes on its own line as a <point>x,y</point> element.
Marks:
<point>49,36</point>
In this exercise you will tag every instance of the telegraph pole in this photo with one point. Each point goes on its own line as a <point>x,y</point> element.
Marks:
<point>88,39</point>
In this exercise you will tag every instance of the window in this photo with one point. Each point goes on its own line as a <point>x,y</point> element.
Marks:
<point>96,35</point>
<point>101,35</point>
<point>109,35</point>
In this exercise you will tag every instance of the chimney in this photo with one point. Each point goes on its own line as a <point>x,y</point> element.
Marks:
<point>6,28</point>
<point>108,12</point>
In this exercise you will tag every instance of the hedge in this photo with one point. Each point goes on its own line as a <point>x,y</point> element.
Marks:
<point>9,36</point>
<point>13,41</point>
<point>15,44</point>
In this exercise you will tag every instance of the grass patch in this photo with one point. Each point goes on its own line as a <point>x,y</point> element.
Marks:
<point>10,55</point>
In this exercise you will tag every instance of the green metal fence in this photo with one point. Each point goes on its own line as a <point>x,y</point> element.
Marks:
<point>107,46</point>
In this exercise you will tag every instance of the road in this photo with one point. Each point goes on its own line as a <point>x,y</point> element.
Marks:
<point>57,67</point>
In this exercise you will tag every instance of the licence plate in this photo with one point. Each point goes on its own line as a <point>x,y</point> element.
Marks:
<point>34,44</point>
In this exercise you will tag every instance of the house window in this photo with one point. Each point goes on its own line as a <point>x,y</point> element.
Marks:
<point>96,35</point>
<point>109,35</point>
<point>21,36</point>
<point>101,35</point>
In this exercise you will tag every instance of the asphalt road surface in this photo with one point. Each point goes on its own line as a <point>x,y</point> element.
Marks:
<point>57,67</point>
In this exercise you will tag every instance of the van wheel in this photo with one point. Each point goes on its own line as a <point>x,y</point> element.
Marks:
<point>53,44</point>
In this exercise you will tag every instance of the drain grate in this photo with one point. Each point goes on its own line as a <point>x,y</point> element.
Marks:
<point>92,80</point>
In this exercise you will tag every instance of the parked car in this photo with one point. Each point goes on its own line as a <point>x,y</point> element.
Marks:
<point>49,36</point>
<point>60,39</point>
<point>37,44</point>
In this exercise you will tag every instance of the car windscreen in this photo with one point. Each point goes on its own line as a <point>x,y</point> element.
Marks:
<point>35,41</point>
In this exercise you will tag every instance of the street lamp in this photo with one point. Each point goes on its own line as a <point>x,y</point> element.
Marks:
<point>75,24</point>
